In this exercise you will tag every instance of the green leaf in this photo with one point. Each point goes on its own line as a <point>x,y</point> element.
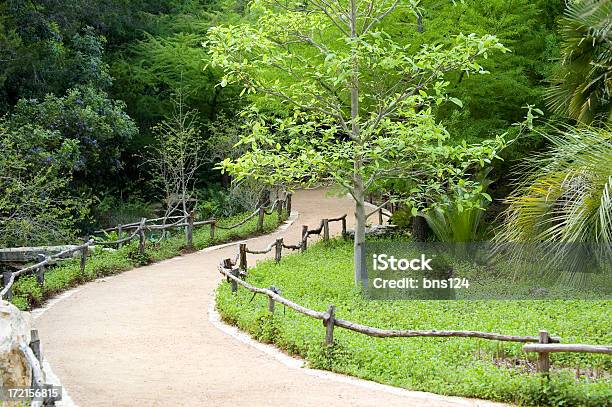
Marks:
<point>456,101</point>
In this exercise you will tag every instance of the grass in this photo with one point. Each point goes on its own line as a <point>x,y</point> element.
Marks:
<point>452,366</point>
<point>27,293</point>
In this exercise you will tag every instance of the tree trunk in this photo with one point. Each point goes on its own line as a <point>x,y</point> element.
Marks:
<point>360,223</point>
<point>184,205</point>
<point>226,180</point>
<point>358,187</point>
<point>420,230</point>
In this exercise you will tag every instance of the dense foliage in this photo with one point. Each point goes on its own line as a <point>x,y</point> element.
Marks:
<point>99,125</point>
<point>582,84</point>
<point>102,74</point>
<point>36,207</point>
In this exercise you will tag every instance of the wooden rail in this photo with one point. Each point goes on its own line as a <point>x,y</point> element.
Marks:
<point>543,343</point>
<point>550,348</point>
<point>278,245</point>
<point>381,213</point>
<point>9,277</point>
<point>232,274</point>
<point>544,347</point>
<point>135,225</point>
<point>139,233</point>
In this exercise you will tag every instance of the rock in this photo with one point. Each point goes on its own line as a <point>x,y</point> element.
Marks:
<point>15,327</point>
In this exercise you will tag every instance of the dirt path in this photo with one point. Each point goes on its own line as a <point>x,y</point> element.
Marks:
<point>143,338</point>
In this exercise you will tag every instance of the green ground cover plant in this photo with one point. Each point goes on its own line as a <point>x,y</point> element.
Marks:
<point>453,366</point>
<point>27,293</point>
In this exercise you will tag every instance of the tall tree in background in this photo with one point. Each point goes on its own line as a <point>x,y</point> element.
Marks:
<point>360,104</point>
<point>176,156</point>
<point>582,86</point>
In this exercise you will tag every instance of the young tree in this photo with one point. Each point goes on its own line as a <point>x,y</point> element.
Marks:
<point>360,104</point>
<point>177,156</point>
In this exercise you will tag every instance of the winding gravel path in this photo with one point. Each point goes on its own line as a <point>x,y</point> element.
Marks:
<point>144,338</point>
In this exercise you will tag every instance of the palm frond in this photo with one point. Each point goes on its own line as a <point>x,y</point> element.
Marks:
<point>564,195</point>
<point>582,87</point>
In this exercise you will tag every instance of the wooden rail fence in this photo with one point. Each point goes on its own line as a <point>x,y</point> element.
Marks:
<point>278,245</point>
<point>138,233</point>
<point>235,272</point>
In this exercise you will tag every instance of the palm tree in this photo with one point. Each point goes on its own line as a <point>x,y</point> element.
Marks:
<point>564,195</point>
<point>582,86</point>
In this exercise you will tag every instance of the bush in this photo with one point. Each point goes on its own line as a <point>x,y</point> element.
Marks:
<point>36,206</point>
<point>217,203</point>
<point>111,211</point>
<point>98,125</point>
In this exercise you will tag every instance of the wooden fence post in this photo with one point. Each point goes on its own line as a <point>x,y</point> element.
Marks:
<point>6,276</point>
<point>227,264</point>
<point>344,226</point>
<point>119,235</point>
<point>288,204</point>
<point>279,211</point>
<point>325,230</point>
<point>329,323</point>
<point>380,216</point>
<point>35,344</point>
<point>40,273</point>
<point>304,238</point>
<point>189,230</point>
<point>84,252</point>
<point>260,220</point>
<point>141,242</point>
<point>270,304</point>
<point>213,226</point>
<point>243,257</point>
<point>543,358</point>
<point>279,250</point>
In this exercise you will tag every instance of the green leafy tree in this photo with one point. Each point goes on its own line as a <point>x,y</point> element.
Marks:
<point>36,206</point>
<point>156,66</point>
<point>40,60</point>
<point>582,86</point>
<point>492,103</point>
<point>360,104</point>
<point>100,125</point>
